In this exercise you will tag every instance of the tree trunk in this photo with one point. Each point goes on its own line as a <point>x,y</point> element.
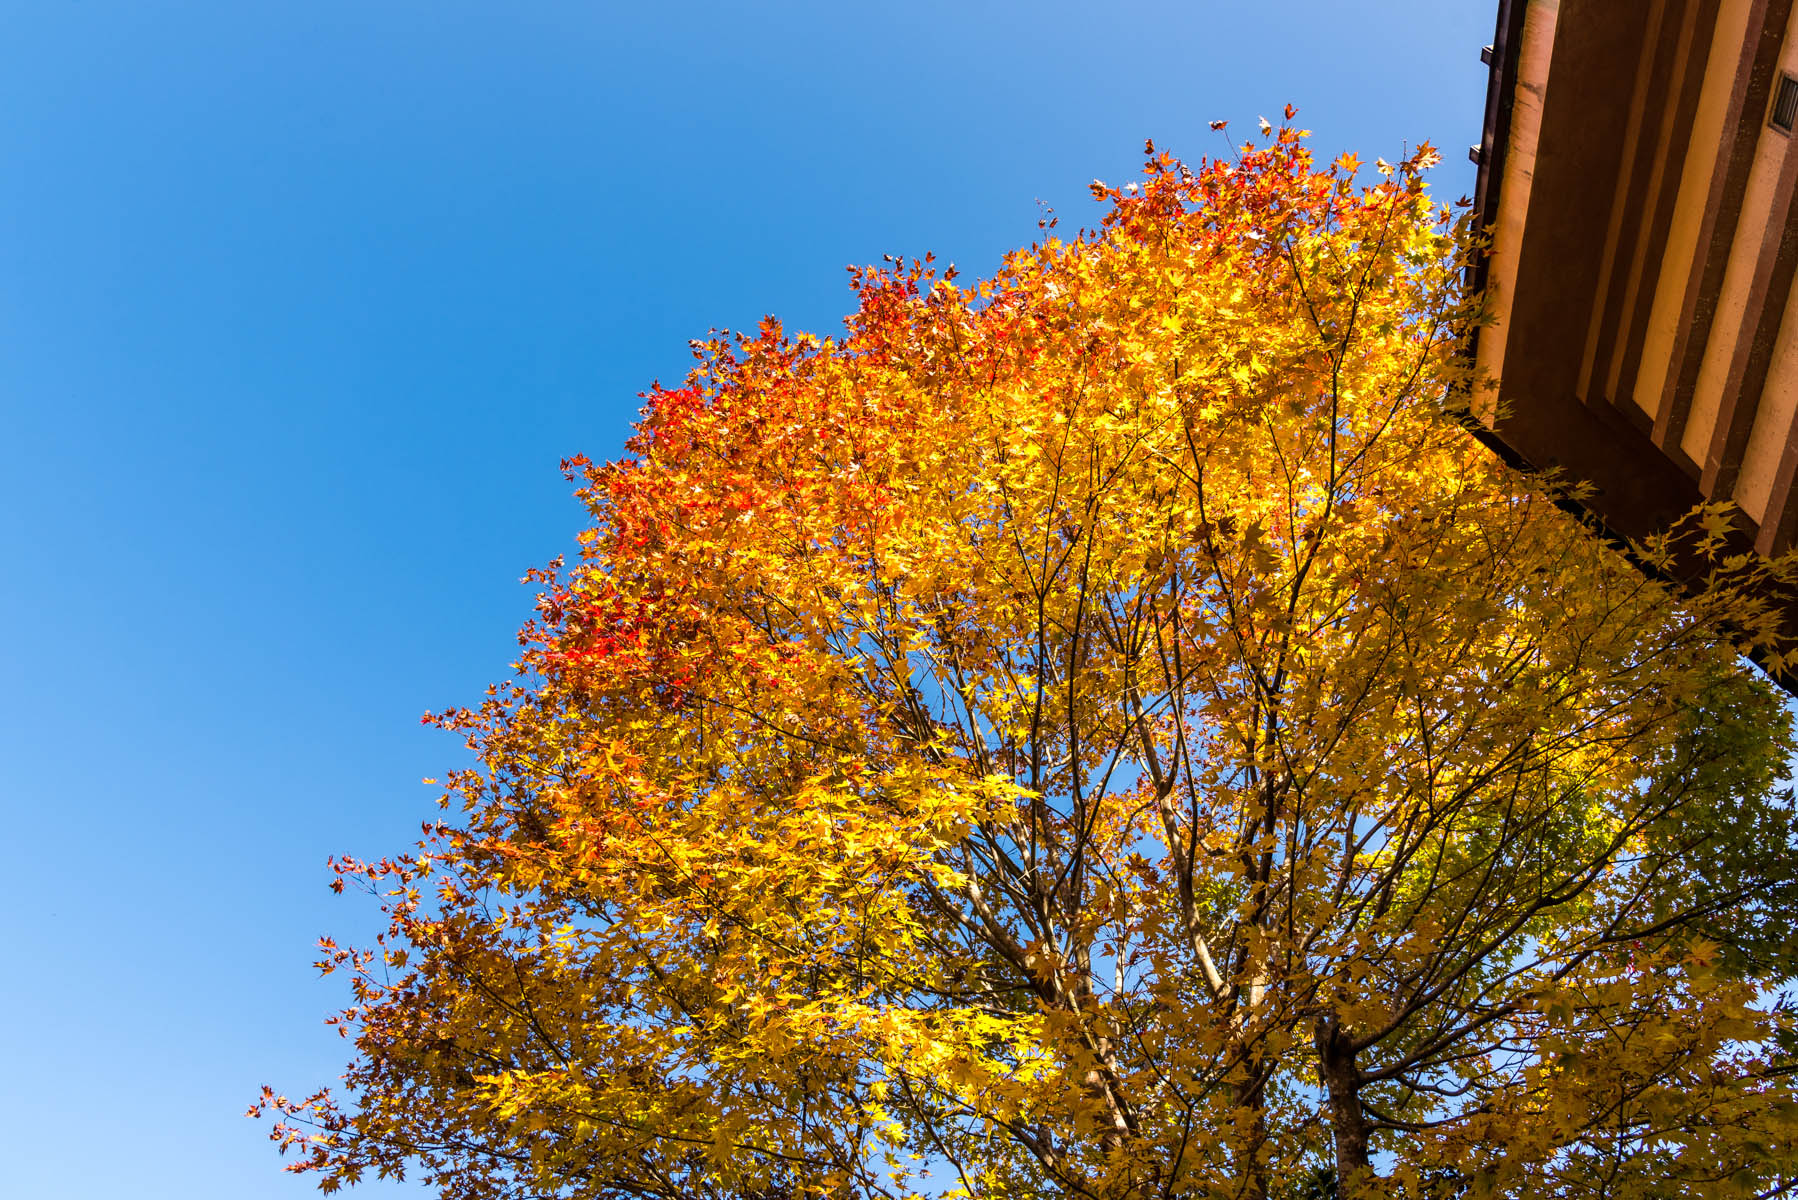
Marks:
<point>1348,1122</point>
<point>1251,1095</point>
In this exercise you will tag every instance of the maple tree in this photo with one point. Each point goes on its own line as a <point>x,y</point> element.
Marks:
<point>1107,731</point>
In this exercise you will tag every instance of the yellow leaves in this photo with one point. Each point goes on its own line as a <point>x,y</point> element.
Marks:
<point>1016,730</point>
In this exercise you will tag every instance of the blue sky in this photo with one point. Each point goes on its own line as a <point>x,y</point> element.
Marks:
<point>301,304</point>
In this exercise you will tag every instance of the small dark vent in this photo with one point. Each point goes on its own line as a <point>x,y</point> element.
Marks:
<point>1785,105</point>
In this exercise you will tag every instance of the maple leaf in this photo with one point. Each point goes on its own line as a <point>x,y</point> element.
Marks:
<point>1109,730</point>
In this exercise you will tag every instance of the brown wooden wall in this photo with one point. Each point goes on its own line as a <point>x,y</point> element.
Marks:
<point>1643,258</point>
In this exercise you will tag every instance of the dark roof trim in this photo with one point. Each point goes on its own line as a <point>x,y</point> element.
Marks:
<point>1495,136</point>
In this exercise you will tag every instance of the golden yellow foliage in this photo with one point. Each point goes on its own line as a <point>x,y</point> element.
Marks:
<point>1109,731</point>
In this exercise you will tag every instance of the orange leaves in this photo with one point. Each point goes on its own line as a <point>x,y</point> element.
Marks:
<point>1055,727</point>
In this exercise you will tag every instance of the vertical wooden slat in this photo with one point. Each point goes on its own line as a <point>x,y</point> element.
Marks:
<point>1640,137</point>
<point>1779,522</point>
<point>1636,303</point>
<point>1781,519</point>
<point>1777,254</point>
<point>1755,69</point>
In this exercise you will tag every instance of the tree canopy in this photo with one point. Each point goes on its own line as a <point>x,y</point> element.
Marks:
<point>1106,731</point>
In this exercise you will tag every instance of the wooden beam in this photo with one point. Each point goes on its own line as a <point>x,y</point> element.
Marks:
<point>1642,137</point>
<point>1636,303</point>
<point>1748,94</point>
<point>1776,255</point>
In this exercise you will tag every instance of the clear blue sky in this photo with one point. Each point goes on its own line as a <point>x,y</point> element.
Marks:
<point>300,305</point>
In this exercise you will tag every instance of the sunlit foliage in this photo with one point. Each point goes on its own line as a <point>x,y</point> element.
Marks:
<point>1108,731</point>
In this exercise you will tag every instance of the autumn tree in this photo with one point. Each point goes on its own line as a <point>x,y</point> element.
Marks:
<point>1108,731</point>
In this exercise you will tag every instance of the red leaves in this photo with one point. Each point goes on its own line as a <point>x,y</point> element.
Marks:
<point>742,709</point>
<point>616,640</point>
<point>309,1126</point>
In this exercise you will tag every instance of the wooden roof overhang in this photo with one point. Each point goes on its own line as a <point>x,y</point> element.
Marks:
<point>1644,241</point>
